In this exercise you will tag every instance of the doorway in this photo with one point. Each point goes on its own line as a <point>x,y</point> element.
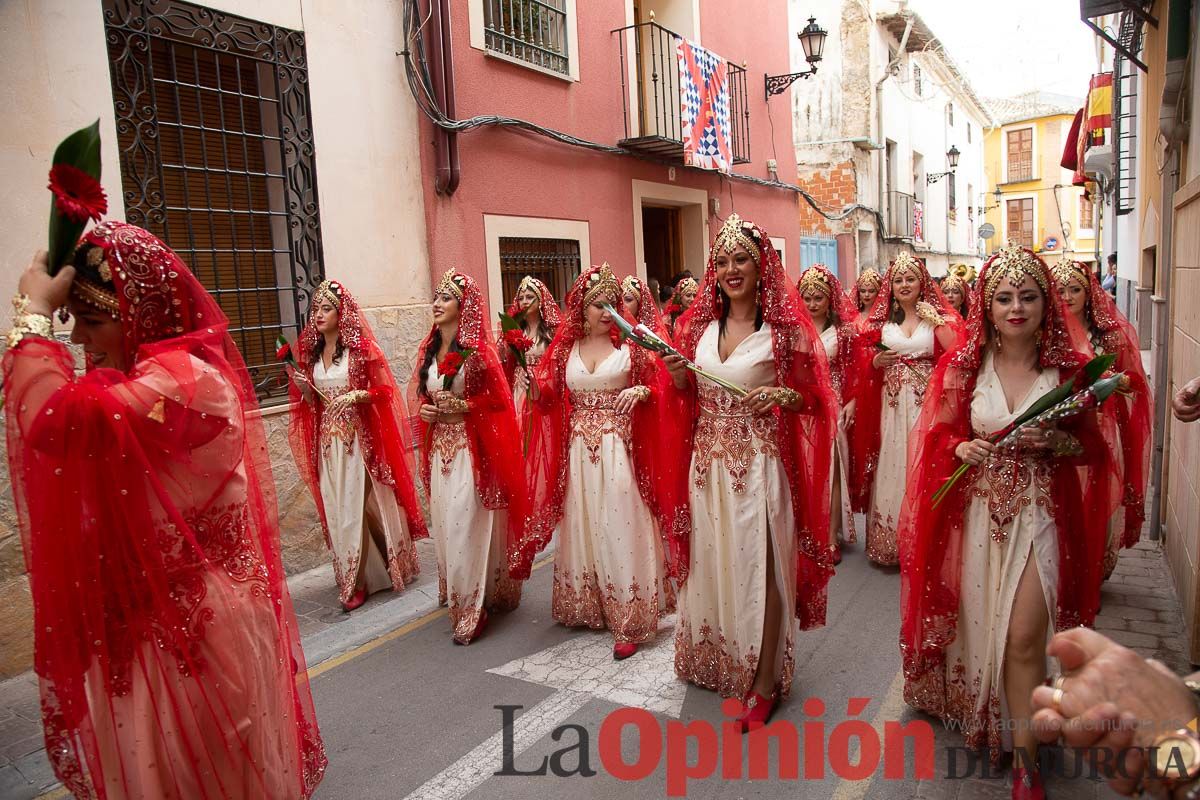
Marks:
<point>662,242</point>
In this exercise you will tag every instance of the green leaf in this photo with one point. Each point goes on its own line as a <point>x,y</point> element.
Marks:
<point>81,150</point>
<point>507,323</point>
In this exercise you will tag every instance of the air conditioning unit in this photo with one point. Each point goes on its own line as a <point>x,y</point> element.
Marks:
<point>1098,163</point>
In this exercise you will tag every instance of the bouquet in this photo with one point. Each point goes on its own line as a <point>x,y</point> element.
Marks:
<point>77,193</point>
<point>1059,403</point>
<point>644,337</point>
<point>920,378</point>
<point>448,367</point>
<point>519,344</point>
<point>284,354</point>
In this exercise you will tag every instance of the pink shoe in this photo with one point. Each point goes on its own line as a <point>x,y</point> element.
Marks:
<point>623,650</point>
<point>757,710</point>
<point>1027,785</point>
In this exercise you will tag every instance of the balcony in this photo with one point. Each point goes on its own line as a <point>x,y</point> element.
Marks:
<point>654,124</point>
<point>900,217</point>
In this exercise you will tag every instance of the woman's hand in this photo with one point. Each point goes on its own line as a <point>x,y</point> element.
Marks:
<point>45,293</point>
<point>847,415</point>
<point>448,404</point>
<point>522,379</point>
<point>630,397</point>
<point>1041,438</point>
<point>974,451</point>
<point>1186,403</point>
<point>428,413</point>
<point>885,358</point>
<point>765,398</point>
<point>678,369</point>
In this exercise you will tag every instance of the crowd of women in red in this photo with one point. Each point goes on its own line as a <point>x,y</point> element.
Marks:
<point>718,481</point>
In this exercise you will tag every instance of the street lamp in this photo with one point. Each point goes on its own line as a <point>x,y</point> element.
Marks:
<point>951,158</point>
<point>812,39</point>
<point>996,194</point>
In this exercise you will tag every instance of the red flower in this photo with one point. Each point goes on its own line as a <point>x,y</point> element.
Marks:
<point>672,308</point>
<point>77,195</point>
<point>517,340</point>
<point>284,353</point>
<point>450,364</point>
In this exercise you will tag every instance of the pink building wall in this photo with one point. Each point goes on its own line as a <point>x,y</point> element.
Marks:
<point>507,172</point>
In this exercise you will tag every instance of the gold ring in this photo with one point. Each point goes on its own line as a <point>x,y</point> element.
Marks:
<point>1056,699</point>
<point>1058,681</point>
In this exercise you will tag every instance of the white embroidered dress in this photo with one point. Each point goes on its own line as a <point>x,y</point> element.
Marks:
<point>839,502</point>
<point>609,568</point>
<point>470,539</point>
<point>741,505</point>
<point>363,517</point>
<point>903,392</point>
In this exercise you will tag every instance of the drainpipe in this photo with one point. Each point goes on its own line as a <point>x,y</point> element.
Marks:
<point>887,73</point>
<point>449,107</point>
<point>446,169</point>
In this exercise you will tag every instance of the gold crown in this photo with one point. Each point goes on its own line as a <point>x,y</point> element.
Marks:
<point>869,277</point>
<point>89,293</point>
<point>737,232</point>
<point>632,285</point>
<point>1015,263</point>
<point>1064,271</point>
<point>531,283</point>
<point>814,279</point>
<point>328,290</point>
<point>954,279</point>
<point>906,262</point>
<point>451,283</point>
<point>602,282</point>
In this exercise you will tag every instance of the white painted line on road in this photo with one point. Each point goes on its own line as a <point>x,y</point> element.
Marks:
<point>469,772</point>
<point>890,710</point>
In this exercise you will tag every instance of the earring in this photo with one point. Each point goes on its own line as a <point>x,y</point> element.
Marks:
<point>587,328</point>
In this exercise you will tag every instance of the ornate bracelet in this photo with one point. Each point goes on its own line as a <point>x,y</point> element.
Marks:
<point>643,393</point>
<point>26,324</point>
<point>785,396</point>
<point>454,405</point>
<point>1068,445</point>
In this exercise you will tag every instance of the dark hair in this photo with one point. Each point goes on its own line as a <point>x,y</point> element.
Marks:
<point>318,348</point>
<point>541,333</point>
<point>435,344</point>
<point>723,302</point>
<point>85,270</point>
<point>897,314</point>
<point>1112,258</point>
<point>665,293</point>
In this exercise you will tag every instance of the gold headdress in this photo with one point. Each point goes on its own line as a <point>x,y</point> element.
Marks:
<point>688,283</point>
<point>1064,271</point>
<point>450,285</point>
<point>531,283</point>
<point>631,284</point>
<point>905,262</point>
<point>328,290</point>
<point>602,282</point>
<point>93,295</point>
<point>869,277</point>
<point>1015,263</point>
<point>956,280</point>
<point>737,232</point>
<point>814,279</point>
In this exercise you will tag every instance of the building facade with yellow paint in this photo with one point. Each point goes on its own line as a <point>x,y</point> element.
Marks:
<point>1029,197</point>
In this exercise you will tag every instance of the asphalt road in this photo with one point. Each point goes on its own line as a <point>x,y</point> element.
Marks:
<point>411,715</point>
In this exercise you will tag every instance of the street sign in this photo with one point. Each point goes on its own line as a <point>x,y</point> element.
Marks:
<point>987,230</point>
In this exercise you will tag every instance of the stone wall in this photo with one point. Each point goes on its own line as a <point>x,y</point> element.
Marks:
<point>399,330</point>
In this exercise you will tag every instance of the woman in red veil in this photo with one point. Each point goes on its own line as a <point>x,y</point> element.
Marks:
<point>591,471</point>
<point>866,289</point>
<point>957,292</point>
<point>1109,332</point>
<point>834,315</point>
<point>533,306</point>
<point>756,497</point>
<point>470,459</point>
<point>1013,550</point>
<point>907,330</point>
<point>349,434</point>
<point>165,644</point>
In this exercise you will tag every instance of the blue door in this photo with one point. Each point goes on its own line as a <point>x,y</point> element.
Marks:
<point>819,250</point>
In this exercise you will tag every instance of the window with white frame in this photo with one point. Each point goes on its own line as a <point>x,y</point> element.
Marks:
<point>1087,213</point>
<point>534,31</point>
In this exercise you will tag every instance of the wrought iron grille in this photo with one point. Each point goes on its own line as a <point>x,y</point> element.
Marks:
<point>1125,103</point>
<point>655,126</point>
<point>555,262</point>
<point>534,31</point>
<point>217,160</point>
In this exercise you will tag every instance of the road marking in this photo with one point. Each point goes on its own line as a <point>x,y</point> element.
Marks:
<point>469,772</point>
<point>890,710</point>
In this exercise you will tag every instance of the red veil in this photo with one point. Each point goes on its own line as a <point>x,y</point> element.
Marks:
<point>845,311</point>
<point>931,539</point>
<point>805,436</point>
<point>1111,333</point>
<point>383,433</point>
<point>492,434</point>
<point>551,317</point>
<point>965,310</point>
<point>868,380</point>
<point>146,505</point>
<point>546,465</point>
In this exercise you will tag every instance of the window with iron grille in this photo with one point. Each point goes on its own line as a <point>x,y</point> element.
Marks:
<point>1019,144</point>
<point>916,75</point>
<point>951,197</point>
<point>555,262</point>
<point>1020,221</point>
<point>217,159</point>
<point>533,31</point>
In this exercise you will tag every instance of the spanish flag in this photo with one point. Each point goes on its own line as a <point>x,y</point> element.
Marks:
<point>1099,108</point>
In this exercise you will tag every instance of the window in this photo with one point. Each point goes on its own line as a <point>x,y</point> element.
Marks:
<point>950,114</point>
<point>555,262</point>
<point>970,207</point>
<point>916,73</point>
<point>1020,221</point>
<point>532,31</point>
<point>1019,146</point>
<point>216,154</point>
<point>968,133</point>
<point>951,197</point>
<point>1087,213</point>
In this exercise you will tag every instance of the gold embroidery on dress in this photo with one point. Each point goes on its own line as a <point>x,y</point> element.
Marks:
<point>913,373</point>
<point>594,414</point>
<point>578,601</point>
<point>722,665</point>
<point>729,432</point>
<point>448,439</point>
<point>1010,482</point>
<point>342,424</point>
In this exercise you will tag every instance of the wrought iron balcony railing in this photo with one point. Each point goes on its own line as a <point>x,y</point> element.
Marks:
<point>653,108</point>
<point>533,31</point>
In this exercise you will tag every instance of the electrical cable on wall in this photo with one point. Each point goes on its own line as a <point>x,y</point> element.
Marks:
<point>420,83</point>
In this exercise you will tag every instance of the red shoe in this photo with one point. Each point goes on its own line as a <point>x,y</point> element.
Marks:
<point>479,626</point>
<point>356,600</point>
<point>1027,785</point>
<point>757,710</point>
<point>837,555</point>
<point>623,650</point>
